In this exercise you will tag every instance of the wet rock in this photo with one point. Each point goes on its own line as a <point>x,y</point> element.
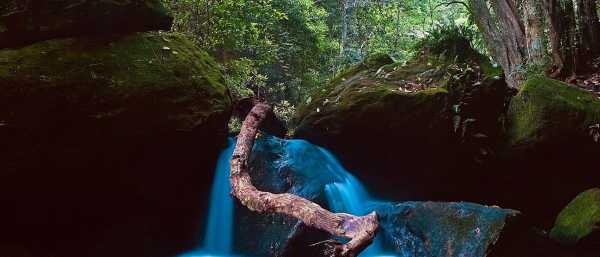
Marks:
<point>442,229</point>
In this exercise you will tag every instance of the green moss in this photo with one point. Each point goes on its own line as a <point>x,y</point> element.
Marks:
<point>165,70</point>
<point>579,218</point>
<point>378,60</point>
<point>547,108</point>
<point>372,62</point>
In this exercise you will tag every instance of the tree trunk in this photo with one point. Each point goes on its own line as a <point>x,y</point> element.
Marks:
<point>534,32</point>
<point>565,38</point>
<point>589,29</point>
<point>360,230</point>
<point>590,8</point>
<point>504,35</point>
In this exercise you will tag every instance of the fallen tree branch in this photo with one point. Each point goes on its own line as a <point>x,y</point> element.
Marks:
<point>360,230</point>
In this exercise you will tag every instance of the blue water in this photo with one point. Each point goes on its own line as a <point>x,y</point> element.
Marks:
<point>344,194</point>
<point>348,195</point>
<point>218,237</point>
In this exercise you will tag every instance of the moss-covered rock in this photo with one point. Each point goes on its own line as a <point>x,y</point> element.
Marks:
<point>550,111</point>
<point>386,110</point>
<point>23,22</point>
<point>161,80</point>
<point>114,135</point>
<point>579,218</point>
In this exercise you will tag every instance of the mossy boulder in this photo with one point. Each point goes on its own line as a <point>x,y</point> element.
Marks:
<point>548,154</point>
<point>116,136</point>
<point>162,80</point>
<point>579,218</point>
<point>24,22</point>
<point>550,111</point>
<point>379,114</point>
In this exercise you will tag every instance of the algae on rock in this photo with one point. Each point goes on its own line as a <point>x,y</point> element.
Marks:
<point>579,218</point>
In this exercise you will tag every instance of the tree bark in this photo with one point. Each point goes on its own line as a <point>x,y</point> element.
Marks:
<point>588,28</point>
<point>552,12</point>
<point>534,32</point>
<point>574,32</point>
<point>360,230</point>
<point>504,35</point>
<point>593,22</point>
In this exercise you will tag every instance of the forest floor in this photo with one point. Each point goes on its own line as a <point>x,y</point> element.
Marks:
<point>590,82</point>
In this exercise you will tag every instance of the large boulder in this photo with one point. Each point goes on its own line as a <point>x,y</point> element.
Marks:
<point>27,21</point>
<point>108,143</point>
<point>411,121</point>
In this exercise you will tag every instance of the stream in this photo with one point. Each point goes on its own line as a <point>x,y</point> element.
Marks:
<point>299,167</point>
<point>346,195</point>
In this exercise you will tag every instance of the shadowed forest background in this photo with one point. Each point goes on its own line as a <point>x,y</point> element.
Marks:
<point>472,128</point>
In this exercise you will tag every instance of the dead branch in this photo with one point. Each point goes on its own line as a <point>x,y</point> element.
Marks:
<point>360,230</point>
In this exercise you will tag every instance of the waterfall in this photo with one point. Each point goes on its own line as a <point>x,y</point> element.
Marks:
<point>218,237</point>
<point>343,192</point>
<point>219,233</point>
<point>348,195</point>
<point>299,167</point>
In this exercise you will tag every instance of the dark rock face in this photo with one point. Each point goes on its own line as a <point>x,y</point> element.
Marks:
<point>108,144</point>
<point>407,229</point>
<point>24,22</point>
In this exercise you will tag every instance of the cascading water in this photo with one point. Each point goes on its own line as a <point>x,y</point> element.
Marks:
<point>345,194</point>
<point>218,238</point>
<point>348,195</point>
<point>219,234</point>
<point>298,167</point>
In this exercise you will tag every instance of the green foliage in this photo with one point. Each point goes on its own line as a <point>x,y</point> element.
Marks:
<point>227,24</point>
<point>276,48</point>
<point>285,50</point>
<point>452,41</point>
<point>392,27</point>
<point>239,72</point>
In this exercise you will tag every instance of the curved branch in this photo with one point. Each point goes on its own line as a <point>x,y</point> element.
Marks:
<point>451,3</point>
<point>360,230</point>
